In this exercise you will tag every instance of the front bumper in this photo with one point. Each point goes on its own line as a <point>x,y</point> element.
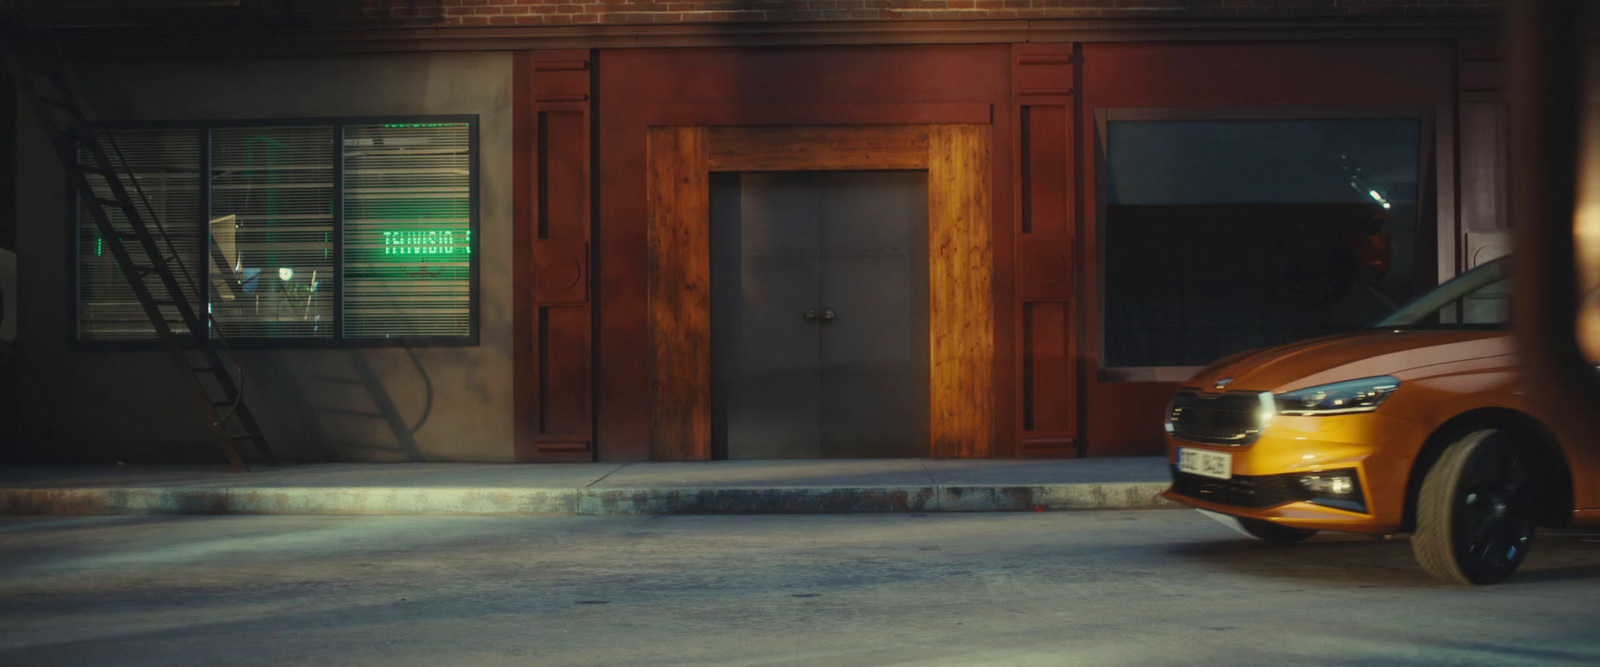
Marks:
<point>1379,449</point>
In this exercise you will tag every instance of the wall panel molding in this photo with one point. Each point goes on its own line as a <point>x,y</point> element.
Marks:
<point>1044,78</point>
<point>553,379</point>
<point>818,148</point>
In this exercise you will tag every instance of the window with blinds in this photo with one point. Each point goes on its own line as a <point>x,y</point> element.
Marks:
<point>165,165</point>
<point>271,226</point>
<point>407,230</point>
<point>334,231</point>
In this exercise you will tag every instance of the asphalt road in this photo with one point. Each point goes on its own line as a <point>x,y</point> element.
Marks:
<point>1154,587</point>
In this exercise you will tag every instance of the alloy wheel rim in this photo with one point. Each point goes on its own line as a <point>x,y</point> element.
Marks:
<point>1495,518</point>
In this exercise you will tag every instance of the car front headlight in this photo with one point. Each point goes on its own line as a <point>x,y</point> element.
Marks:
<point>1339,398</point>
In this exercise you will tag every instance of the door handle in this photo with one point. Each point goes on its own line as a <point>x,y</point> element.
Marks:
<point>811,314</point>
<point>827,315</point>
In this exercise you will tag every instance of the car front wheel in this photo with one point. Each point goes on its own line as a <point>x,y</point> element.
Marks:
<point>1475,510</point>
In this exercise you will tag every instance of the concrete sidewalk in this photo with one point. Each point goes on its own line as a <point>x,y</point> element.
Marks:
<point>710,487</point>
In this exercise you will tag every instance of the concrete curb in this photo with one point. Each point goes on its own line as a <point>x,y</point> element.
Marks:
<point>583,501</point>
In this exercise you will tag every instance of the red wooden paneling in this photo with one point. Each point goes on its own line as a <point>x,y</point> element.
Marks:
<point>1047,187</point>
<point>1127,415</point>
<point>1045,80</point>
<point>553,380</point>
<point>1051,417</point>
<point>811,113</point>
<point>638,89</point>
<point>1047,267</point>
<point>563,173</point>
<point>818,147</point>
<point>564,376</point>
<point>561,269</point>
<point>524,315</point>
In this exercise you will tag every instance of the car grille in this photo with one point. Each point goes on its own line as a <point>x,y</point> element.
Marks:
<point>1240,490</point>
<point>1219,419</point>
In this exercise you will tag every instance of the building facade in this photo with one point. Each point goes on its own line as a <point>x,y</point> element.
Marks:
<point>482,232</point>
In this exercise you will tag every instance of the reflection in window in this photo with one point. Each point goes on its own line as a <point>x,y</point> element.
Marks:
<point>1476,299</point>
<point>275,245</point>
<point>1228,235</point>
<point>272,229</point>
<point>161,166</point>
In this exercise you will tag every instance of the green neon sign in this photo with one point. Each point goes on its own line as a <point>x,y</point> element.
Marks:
<point>412,242</point>
<point>407,125</point>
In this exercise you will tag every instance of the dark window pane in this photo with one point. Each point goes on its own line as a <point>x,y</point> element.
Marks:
<point>1228,235</point>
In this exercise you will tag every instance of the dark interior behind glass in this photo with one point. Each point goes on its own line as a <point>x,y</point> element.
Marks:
<point>1227,235</point>
<point>1477,299</point>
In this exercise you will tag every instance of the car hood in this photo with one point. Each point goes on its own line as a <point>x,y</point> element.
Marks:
<point>1347,357</point>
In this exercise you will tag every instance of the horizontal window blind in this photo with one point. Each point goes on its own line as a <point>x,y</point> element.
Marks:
<point>317,230</point>
<point>407,230</point>
<point>272,270</point>
<point>165,163</point>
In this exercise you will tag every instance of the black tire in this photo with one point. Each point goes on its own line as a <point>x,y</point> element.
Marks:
<point>1475,512</point>
<point>1267,531</point>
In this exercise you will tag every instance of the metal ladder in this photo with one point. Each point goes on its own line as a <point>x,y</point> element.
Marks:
<point>200,351</point>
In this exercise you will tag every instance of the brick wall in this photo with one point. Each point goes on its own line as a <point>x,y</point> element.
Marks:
<point>567,12</point>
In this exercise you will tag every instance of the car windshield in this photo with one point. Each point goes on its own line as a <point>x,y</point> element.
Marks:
<point>1477,299</point>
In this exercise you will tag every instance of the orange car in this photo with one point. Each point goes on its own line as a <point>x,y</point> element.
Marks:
<point>1416,424</point>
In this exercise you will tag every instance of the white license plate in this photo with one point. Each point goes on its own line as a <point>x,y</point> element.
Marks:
<point>1202,462</point>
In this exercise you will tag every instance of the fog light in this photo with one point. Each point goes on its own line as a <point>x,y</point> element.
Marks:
<point>1334,488</point>
<point>1327,485</point>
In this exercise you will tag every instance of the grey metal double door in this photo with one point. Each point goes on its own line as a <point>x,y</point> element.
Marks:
<point>819,314</point>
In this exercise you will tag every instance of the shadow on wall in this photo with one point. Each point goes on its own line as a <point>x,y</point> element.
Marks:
<point>338,407</point>
<point>314,404</point>
<point>387,404</point>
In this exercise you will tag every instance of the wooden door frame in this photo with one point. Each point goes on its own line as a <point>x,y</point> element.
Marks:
<point>961,314</point>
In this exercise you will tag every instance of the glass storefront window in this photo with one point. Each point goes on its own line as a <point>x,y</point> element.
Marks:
<point>312,230</point>
<point>1223,235</point>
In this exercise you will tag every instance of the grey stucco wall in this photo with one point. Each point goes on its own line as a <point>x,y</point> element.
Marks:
<point>443,404</point>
